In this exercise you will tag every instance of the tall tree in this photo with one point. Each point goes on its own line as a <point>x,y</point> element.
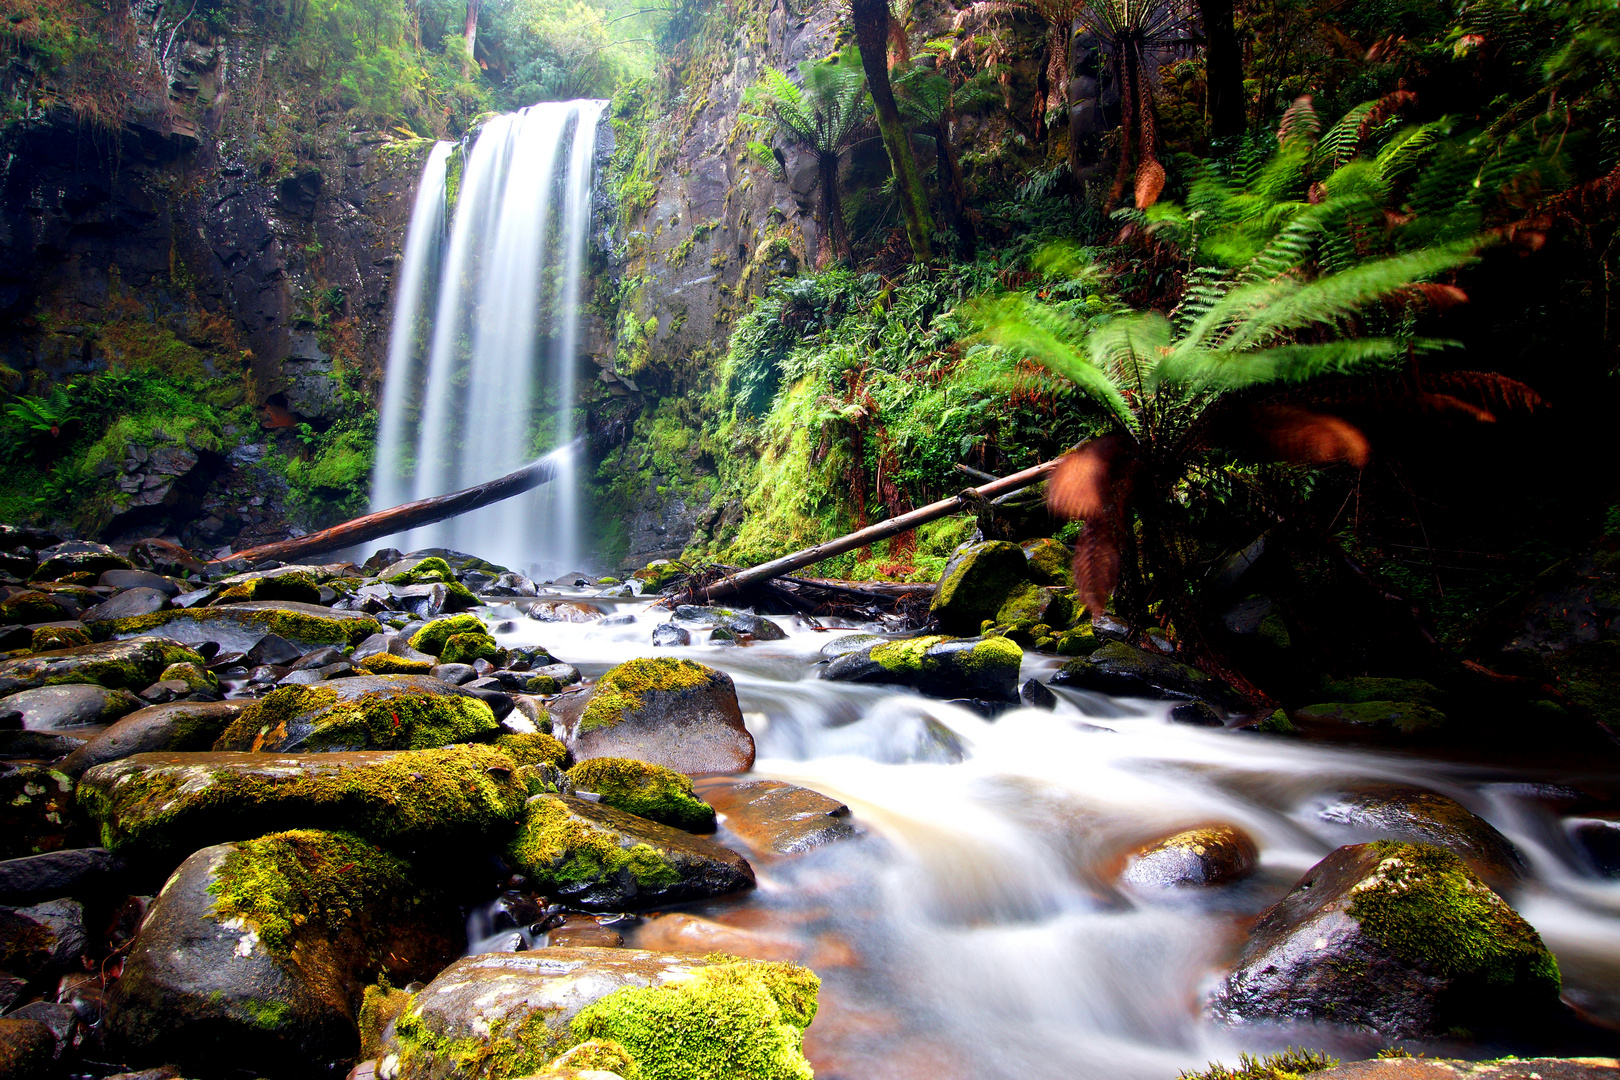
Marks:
<point>871,18</point>
<point>1223,68</point>
<point>470,37</point>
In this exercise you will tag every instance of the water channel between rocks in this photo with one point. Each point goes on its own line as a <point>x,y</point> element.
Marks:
<point>976,927</point>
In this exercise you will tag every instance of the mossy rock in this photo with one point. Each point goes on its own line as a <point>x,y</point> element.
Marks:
<point>389,664</point>
<point>52,638</point>
<point>239,627</point>
<point>976,583</point>
<point>943,667</point>
<point>131,665</point>
<point>656,574</point>
<point>1367,688</point>
<point>27,1048</point>
<point>1207,855</point>
<point>1403,717</point>
<point>594,1059</point>
<point>1038,604</point>
<point>157,805</point>
<point>177,726</point>
<point>366,712</point>
<point>1401,939</point>
<point>36,810</point>
<point>1399,812</point>
<point>431,571</point>
<point>78,557</point>
<point>299,587</point>
<point>258,948</point>
<point>503,1016</point>
<point>465,648</point>
<point>670,711</point>
<point>198,679</point>
<point>645,790</point>
<point>592,856</point>
<point>431,638</point>
<point>1050,562</point>
<point>533,748</point>
<point>380,1006</point>
<point>1080,641</point>
<point>29,607</point>
<point>1117,668</point>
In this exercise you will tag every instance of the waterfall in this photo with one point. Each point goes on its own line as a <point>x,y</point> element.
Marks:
<point>487,383</point>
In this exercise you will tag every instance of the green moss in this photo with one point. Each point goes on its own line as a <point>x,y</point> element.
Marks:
<point>91,664</point>
<point>743,1021</point>
<point>29,607</point>
<point>1369,688</point>
<point>1407,717</point>
<point>1037,604</point>
<point>1288,1065</point>
<point>993,652</point>
<point>281,884</point>
<point>534,748</point>
<point>48,638</point>
<point>981,582</point>
<point>389,664</point>
<point>431,638</point>
<point>198,679</point>
<point>372,721</point>
<point>267,1015</point>
<point>553,846</point>
<point>1048,562</point>
<point>465,648</point>
<point>620,690</point>
<point>646,790</point>
<point>1277,724</point>
<point>542,684</point>
<point>908,656</point>
<point>299,587</point>
<point>380,1005</point>
<point>1274,632</point>
<point>434,571</point>
<point>656,574</point>
<point>522,1051</point>
<point>600,1055</point>
<point>1428,908</point>
<point>296,626</point>
<point>1081,641</point>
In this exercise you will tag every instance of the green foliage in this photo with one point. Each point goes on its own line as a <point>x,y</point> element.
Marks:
<point>333,484</point>
<point>1288,1065</point>
<point>824,115</point>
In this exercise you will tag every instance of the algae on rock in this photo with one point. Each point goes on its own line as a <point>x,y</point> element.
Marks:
<point>645,790</point>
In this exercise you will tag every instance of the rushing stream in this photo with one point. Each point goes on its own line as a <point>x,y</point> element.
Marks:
<point>976,930</point>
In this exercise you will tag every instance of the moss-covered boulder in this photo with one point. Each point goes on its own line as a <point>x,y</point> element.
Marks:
<point>299,586</point>
<point>36,810</point>
<point>432,637</point>
<point>1078,641</point>
<point>130,665</point>
<point>29,607</point>
<point>255,951</point>
<point>178,726</point>
<point>1117,668</point>
<point>533,748</point>
<point>1391,717</point>
<point>1038,605</point>
<point>1401,939</point>
<point>942,667</point>
<point>1049,562</point>
<point>1207,855</point>
<point>677,1017</point>
<point>645,790</point>
<point>78,557</point>
<point>385,663</point>
<point>52,638</point>
<point>197,679</point>
<point>738,622</point>
<point>366,712</point>
<point>465,648</point>
<point>431,571</point>
<point>239,627</point>
<point>158,805</point>
<point>1398,812</point>
<point>976,582</point>
<point>70,705</point>
<point>656,574</point>
<point>669,711</point>
<point>592,856</point>
<point>1371,688</point>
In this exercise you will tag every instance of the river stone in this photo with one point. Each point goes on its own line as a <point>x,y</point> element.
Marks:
<point>1599,837</point>
<point>175,803</point>
<point>668,635</point>
<point>42,938</point>
<point>51,708</point>
<point>366,712</point>
<point>976,582</point>
<point>672,712</point>
<point>1399,939</point>
<point>78,557</point>
<point>565,611</point>
<point>139,579</point>
<point>1035,694</point>
<point>27,1049</point>
<point>741,622</point>
<point>239,627</point>
<point>1209,855</point>
<point>29,606</point>
<point>533,1004</point>
<point>1196,714</point>
<point>1394,812</point>
<point>36,810</point>
<point>42,745</point>
<point>1404,717</point>
<point>1037,605</point>
<point>180,725</point>
<point>942,667</point>
<point>215,978</point>
<point>1048,562</point>
<point>129,604</point>
<point>775,820</point>
<point>1118,668</point>
<point>850,643</point>
<point>131,664</point>
<point>55,874</point>
<point>592,856</point>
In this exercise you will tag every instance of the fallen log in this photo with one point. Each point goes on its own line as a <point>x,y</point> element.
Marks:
<point>409,515</point>
<point>881,531</point>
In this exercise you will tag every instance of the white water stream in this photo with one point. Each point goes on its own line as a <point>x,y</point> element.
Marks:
<point>484,354</point>
<point>976,931</point>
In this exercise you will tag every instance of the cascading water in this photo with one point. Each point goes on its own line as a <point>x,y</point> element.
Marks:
<point>481,370</point>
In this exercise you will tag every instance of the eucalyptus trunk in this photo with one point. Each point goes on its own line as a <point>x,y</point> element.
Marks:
<point>871,18</point>
<point>470,37</point>
<point>834,233</point>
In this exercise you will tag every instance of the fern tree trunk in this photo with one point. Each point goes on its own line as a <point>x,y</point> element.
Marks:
<point>953,188</point>
<point>834,241</point>
<point>1223,68</point>
<point>470,37</point>
<point>871,18</point>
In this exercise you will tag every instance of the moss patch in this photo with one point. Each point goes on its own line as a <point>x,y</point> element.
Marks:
<point>299,587</point>
<point>533,748</point>
<point>378,720</point>
<point>979,584</point>
<point>49,638</point>
<point>521,1052</point>
<point>600,1055</point>
<point>29,607</point>
<point>553,846</point>
<point>389,664</point>
<point>380,1006</point>
<point>1288,1065</point>
<point>435,571</point>
<point>432,637</point>
<point>296,626</point>
<point>743,1021</point>
<point>620,690</point>
<point>646,790</point>
<point>465,648</point>
<point>1407,717</point>
<point>198,679</point>
<point>1037,604</point>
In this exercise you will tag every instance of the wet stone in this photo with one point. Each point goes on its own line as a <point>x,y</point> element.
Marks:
<point>1210,855</point>
<point>1196,714</point>
<point>128,604</point>
<point>774,820</point>
<point>1035,694</point>
<point>669,635</point>
<point>672,712</point>
<point>56,874</point>
<point>52,708</point>
<point>1395,812</point>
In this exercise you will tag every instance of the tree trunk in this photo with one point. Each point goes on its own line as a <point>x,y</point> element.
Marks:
<point>1223,69</point>
<point>1057,63</point>
<point>871,18</point>
<point>470,37</point>
<point>1125,59</point>
<point>833,230</point>
<point>953,188</point>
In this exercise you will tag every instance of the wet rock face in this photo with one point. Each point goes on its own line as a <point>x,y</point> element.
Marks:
<point>1401,939</point>
<point>976,583</point>
<point>977,668</point>
<point>774,820</point>
<point>671,712</point>
<point>1118,668</point>
<point>1395,812</point>
<point>1211,855</point>
<point>51,708</point>
<point>181,725</point>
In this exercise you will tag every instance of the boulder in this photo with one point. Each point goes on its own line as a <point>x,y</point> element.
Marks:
<point>1599,837</point>
<point>44,938</point>
<point>1037,605</point>
<point>941,667</point>
<point>1035,694</point>
<point>49,637</point>
<point>431,570</point>
<point>976,582</point>
<point>298,584</point>
<point>1396,812</point>
<point>658,573</point>
<point>78,557</point>
<point>129,604</point>
<point>139,579</point>
<point>1209,855</point>
<point>180,725</point>
<point>738,622</point>
<point>239,627</point>
<point>668,635</point>
<point>1403,717</point>
<point>29,607</point>
<point>592,856</point>
<point>533,748</point>
<point>172,804</point>
<point>1048,562</point>
<point>36,810</point>
<point>849,643</point>
<point>1117,668</point>
<point>46,745</point>
<point>675,1015</point>
<point>367,712</point>
<point>55,874</point>
<point>432,637</point>
<point>254,951</point>
<point>1196,714</point>
<point>565,611</point>
<point>1400,939</point>
<point>645,790</point>
<point>1424,1068</point>
<point>466,648</point>
<point>775,820</point>
<point>669,711</point>
<point>51,708</point>
<point>130,665</point>
<point>27,1049</point>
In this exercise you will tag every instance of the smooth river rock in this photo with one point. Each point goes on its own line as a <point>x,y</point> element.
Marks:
<point>776,820</point>
<point>52,708</point>
<point>669,711</point>
<point>177,726</point>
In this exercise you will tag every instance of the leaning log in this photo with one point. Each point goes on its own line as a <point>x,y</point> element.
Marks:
<point>882,530</point>
<point>409,515</point>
